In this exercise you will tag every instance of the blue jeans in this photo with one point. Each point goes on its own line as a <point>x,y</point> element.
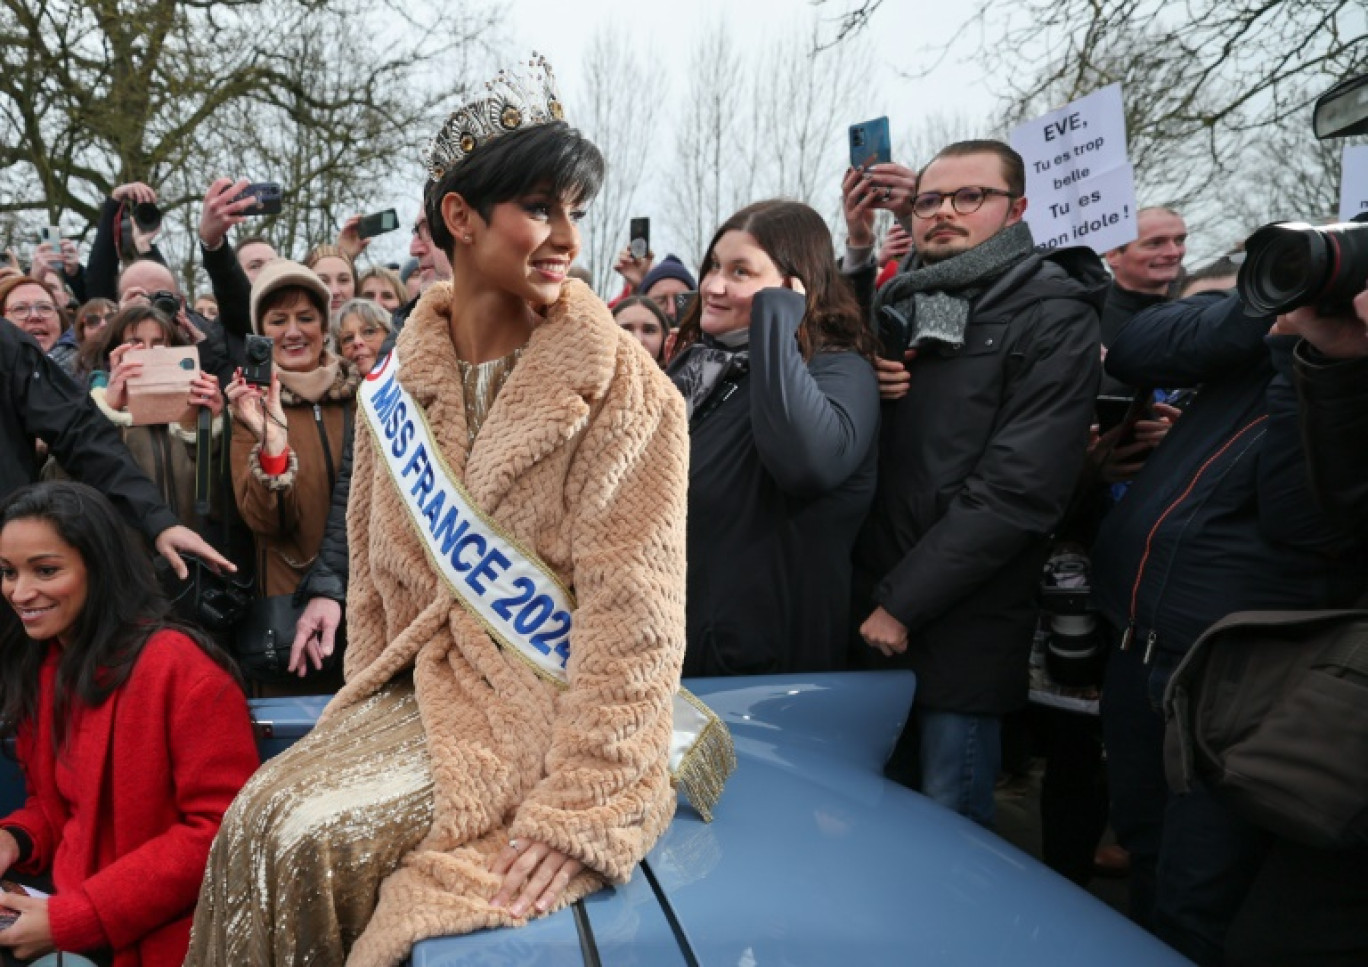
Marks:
<point>960,758</point>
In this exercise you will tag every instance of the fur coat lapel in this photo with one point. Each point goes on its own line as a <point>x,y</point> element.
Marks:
<point>547,399</point>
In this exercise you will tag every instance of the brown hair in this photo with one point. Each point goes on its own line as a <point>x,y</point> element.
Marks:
<point>1013,168</point>
<point>798,242</point>
<point>390,278</point>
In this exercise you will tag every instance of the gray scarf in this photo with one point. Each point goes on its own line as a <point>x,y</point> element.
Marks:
<point>933,300</point>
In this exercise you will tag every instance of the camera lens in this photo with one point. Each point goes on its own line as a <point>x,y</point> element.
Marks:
<point>147,215</point>
<point>1292,264</point>
<point>258,350</point>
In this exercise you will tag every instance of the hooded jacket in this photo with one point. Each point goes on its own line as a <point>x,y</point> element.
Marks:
<point>976,466</point>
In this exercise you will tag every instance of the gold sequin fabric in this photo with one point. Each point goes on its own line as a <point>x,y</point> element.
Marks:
<point>294,873</point>
<point>481,382</point>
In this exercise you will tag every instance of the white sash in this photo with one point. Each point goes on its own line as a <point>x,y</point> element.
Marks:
<point>521,603</point>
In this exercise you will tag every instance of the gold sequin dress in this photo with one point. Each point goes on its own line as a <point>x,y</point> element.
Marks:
<point>295,871</point>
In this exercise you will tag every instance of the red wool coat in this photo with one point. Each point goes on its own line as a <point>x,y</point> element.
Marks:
<point>149,773</point>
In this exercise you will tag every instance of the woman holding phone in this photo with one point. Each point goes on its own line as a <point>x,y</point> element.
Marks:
<point>774,360</point>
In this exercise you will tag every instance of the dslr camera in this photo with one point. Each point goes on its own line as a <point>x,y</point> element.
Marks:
<point>166,302</point>
<point>1292,264</point>
<point>258,368</point>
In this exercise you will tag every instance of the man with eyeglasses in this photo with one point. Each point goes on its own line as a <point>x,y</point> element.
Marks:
<point>988,400</point>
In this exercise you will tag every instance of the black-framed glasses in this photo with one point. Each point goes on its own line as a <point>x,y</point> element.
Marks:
<point>965,201</point>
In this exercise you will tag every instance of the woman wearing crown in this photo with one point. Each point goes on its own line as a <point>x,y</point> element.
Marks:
<point>519,462</point>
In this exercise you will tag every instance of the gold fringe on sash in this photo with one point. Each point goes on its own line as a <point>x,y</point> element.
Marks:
<point>703,771</point>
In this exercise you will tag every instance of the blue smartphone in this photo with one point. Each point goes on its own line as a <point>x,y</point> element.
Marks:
<point>870,144</point>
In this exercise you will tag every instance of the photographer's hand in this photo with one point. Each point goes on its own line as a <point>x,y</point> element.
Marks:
<point>1338,336</point>
<point>349,239</point>
<point>222,210</point>
<point>857,204</point>
<point>134,191</point>
<point>71,258</point>
<point>633,270</point>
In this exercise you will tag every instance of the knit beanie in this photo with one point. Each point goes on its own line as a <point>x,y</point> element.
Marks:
<point>669,268</point>
<point>282,274</point>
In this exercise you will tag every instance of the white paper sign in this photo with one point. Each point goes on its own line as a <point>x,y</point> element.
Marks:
<point>1354,182</point>
<point>1079,185</point>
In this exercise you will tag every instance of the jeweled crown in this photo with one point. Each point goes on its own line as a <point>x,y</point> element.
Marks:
<point>513,101</point>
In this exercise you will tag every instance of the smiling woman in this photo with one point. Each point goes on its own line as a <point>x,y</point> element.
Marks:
<point>132,733</point>
<point>288,437</point>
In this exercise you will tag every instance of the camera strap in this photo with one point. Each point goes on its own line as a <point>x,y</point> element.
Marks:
<point>204,461</point>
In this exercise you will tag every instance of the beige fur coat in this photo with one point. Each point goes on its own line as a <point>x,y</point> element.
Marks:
<point>584,460</point>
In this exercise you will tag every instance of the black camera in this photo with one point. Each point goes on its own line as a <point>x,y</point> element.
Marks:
<point>258,368</point>
<point>147,216</point>
<point>166,302</point>
<point>1074,652</point>
<point>1291,264</point>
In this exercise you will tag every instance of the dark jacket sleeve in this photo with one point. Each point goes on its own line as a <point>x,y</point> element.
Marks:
<point>77,283</point>
<point>1333,416</point>
<point>1187,342</point>
<point>102,270</point>
<point>232,290</point>
<point>813,423</point>
<point>1288,514</point>
<point>1023,481</point>
<point>327,576</point>
<point>53,408</point>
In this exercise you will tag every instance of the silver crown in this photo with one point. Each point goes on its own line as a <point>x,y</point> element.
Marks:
<point>513,102</point>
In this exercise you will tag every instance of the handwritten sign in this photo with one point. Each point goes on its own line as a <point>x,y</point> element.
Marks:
<point>1079,183</point>
<point>1354,182</point>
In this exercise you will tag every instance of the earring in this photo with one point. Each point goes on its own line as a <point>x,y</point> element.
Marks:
<point>468,239</point>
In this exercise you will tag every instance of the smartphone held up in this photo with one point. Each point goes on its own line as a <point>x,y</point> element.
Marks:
<point>870,144</point>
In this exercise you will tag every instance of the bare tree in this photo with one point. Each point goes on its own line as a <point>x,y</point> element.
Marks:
<point>174,92</point>
<point>617,111</point>
<point>706,141</point>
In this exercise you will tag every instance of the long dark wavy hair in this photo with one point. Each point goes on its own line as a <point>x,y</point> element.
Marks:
<point>798,242</point>
<point>124,606</point>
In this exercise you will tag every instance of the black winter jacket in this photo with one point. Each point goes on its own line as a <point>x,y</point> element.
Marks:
<point>781,473</point>
<point>41,402</point>
<point>976,466</point>
<point>1221,518</point>
<point>1334,412</point>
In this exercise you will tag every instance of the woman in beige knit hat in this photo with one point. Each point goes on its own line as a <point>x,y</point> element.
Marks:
<point>288,437</point>
<point>453,784</point>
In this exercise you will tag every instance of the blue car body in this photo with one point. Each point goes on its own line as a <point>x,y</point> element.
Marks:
<point>813,858</point>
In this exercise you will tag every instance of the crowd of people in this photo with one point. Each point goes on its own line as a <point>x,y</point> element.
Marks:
<point>810,455</point>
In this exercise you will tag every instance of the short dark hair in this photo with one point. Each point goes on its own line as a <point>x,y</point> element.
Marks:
<point>242,243</point>
<point>552,157</point>
<point>1013,168</point>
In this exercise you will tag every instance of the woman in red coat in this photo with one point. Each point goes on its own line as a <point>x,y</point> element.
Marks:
<point>133,735</point>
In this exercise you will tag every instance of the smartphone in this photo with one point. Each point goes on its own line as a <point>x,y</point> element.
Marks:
<point>267,194</point>
<point>639,238</point>
<point>257,371</point>
<point>683,302</point>
<point>377,224</point>
<point>870,143</point>
<point>1122,411</point>
<point>160,393</point>
<point>52,234</point>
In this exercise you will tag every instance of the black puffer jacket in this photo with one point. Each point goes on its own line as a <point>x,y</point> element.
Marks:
<point>1221,518</point>
<point>976,465</point>
<point>1334,415</point>
<point>38,401</point>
